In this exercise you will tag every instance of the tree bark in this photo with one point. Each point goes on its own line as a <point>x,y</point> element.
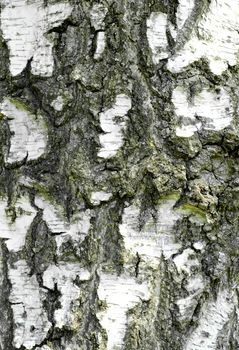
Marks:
<point>119,175</point>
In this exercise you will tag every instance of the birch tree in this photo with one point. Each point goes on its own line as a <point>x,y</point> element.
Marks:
<point>119,175</point>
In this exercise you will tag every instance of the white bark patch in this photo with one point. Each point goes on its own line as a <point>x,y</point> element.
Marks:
<point>120,295</point>
<point>61,100</point>
<point>112,139</point>
<point>187,306</point>
<point>213,109</point>
<point>199,245</point>
<point>156,237</point>
<point>15,231</point>
<point>187,130</point>
<point>195,284</point>
<point>184,10</point>
<point>26,181</point>
<point>100,44</point>
<point>29,131</point>
<point>97,16</point>
<point>75,230</point>
<point>186,112</point>
<point>25,26</point>
<point>64,276</point>
<point>183,261</point>
<point>30,319</point>
<point>211,321</point>
<point>156,34</point>
<point>44,347</point>
<point>100,196</point>
<point>217,39</point>
<point>58,103</point>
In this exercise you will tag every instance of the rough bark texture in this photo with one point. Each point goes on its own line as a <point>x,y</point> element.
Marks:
<point>119,175</point>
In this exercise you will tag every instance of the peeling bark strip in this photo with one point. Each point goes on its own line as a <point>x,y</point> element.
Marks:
<point>120,294</point>
<point>211,323</point>
<point>215,38</point>
<point>100,45</point>
<point>209,110</point>
<point>29,132</point>
<point>119,190</point>
<point>112,139</point>
<point>74,231</point>
<point>30,318</point>
<point>63,276</point>
<point>155,239</point>
<point>156,34</point>
<point>97,17</point>
<point>15,222</point>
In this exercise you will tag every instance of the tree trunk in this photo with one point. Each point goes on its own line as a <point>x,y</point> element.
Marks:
<point>119,175</point>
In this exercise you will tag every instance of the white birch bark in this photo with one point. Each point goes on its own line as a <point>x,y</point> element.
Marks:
<point>119,175</point>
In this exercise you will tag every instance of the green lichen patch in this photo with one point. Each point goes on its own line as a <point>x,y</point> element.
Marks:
<point>174,196</point>
<point>20,105</point>
<point>190,209</point>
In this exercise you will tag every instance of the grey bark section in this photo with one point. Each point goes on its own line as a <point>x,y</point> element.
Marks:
<point>118,232</point>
